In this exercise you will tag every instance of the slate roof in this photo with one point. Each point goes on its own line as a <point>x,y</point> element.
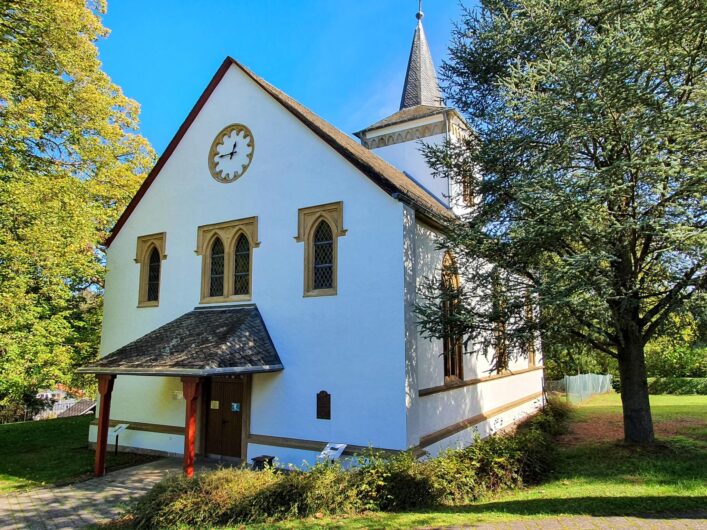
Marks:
<point>206,341</point>
<point>421,86</point>
<point>81,407</point>
<point>407,114</point>
<point>389,178</point>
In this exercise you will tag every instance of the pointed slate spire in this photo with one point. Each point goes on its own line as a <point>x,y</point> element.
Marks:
<point>421,86</point>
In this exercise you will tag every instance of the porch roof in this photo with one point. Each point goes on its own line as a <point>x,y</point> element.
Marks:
<point>219,340</point>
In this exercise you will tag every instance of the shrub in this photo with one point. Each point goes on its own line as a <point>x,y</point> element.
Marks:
<point>395,483</point>
<point>680,361</point>
<point>216,496</point>
<point>378,483</point>
<point>464,475</point>
<point>680,386</point>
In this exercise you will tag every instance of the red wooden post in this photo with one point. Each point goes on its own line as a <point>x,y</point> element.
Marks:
<point>190,386</point>
<point>105,389</point>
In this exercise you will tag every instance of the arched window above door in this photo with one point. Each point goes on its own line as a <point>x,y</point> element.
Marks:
<point>227,275</point>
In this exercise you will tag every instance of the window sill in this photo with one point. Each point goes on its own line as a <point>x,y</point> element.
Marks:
<point>320,292</point>
<point>155,303</point>
<point>452,381</point>
<point>225,299</point>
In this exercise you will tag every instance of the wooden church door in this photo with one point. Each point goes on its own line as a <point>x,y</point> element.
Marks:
<point>224,423</point>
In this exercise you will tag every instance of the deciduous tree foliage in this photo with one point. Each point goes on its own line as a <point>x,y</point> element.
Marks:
<point>70,159</point>
<point>590,124</point>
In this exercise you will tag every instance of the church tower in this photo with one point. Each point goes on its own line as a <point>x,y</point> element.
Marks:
<point>422,117</point>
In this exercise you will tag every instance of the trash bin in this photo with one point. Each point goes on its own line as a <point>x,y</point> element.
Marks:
<point>260,462</point>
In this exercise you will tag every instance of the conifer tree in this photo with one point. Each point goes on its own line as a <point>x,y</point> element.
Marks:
<point>588,163</point>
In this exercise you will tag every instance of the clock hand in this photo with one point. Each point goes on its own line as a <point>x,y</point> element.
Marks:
<point>233,152</point>
<point>230,155</point>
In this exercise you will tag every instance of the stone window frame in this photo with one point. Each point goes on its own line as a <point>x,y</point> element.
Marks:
<point>144,247</point>
<point>308,220</point>
<point>228,232</point>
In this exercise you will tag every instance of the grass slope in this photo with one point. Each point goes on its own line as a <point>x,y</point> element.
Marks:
<point>593,477</point>
<point>56,451</point>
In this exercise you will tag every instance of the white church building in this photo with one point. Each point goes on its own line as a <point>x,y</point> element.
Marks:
<point>261,288</point>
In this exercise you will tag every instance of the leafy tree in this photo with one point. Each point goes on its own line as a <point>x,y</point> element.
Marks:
<point>70,159</point>
<point>677,349</point>
<point>589,120</point>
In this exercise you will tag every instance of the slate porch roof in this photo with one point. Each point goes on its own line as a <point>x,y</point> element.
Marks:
<point>205,341</point>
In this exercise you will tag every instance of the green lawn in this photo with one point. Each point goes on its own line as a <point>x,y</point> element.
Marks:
<point>50,452</point>
<point>592,477</point>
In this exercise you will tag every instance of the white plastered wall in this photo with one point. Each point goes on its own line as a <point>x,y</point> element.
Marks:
<point>350,345</point>
<point>425,369</point>
<point>486,428</point>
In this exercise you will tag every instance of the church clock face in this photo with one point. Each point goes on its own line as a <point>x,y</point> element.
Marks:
<point>231,153</point>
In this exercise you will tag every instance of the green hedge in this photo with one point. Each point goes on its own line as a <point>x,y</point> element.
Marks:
<point>401,482</point>
<point>680,386</point>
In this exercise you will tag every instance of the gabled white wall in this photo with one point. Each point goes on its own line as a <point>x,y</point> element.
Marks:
<point>350,345</point>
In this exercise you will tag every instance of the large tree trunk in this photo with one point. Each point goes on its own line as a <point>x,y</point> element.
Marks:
<point>638,423</point>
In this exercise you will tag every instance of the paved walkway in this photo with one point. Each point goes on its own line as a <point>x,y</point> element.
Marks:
<point>84,503</point>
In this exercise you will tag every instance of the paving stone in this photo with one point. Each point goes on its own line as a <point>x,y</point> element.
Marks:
<point>83,504</point>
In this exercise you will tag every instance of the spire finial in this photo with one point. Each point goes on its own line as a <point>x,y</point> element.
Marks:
<point>420,14</point>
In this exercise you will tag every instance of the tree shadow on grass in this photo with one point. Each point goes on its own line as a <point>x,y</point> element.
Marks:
<point>648,507</point>
<point>664,507</point>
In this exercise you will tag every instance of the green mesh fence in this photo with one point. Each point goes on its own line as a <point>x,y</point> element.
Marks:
<point>583,386</point>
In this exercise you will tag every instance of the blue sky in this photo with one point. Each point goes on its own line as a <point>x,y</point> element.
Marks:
<point>344,60</point>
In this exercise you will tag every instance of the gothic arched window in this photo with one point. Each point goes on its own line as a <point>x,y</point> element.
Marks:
<point>153,275</point>
<point>241,266</point>
<point>227,260</point>
<point>319,228</point>
<point>217,269</point>
<point>150,253</point>
<point>451,343</point>
<point>323,256</point>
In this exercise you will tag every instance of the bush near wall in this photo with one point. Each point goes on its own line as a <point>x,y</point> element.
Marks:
<point>679,386</point>
<point>401,482</point>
